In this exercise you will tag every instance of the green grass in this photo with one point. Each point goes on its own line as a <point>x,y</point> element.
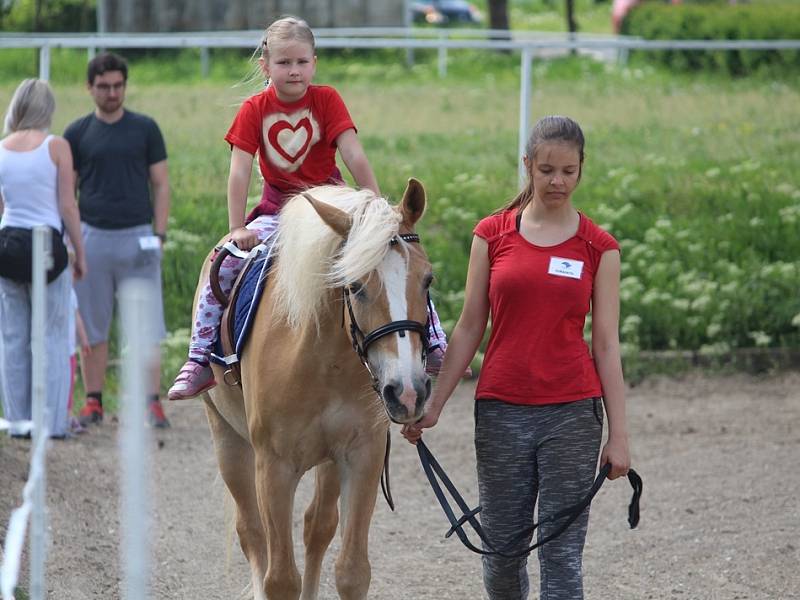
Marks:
<point>695,175</point>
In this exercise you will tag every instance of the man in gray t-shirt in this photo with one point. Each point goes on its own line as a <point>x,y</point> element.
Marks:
<point>123,194</point>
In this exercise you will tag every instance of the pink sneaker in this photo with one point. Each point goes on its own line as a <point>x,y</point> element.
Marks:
<point>193,379</point>
<point>433,364</point>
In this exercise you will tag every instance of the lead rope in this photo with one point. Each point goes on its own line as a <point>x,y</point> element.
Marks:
<point>433,470</point>
<point>385,483</point>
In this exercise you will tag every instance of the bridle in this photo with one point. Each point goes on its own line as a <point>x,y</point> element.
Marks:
<point>362,342</point>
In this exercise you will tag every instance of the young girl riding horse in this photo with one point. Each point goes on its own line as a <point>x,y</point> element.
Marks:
<point>296,129</point>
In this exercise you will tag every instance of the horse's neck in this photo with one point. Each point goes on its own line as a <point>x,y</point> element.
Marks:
<point>330,335</point>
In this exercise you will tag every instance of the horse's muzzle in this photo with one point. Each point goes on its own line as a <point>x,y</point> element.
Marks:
<point>406,406</point>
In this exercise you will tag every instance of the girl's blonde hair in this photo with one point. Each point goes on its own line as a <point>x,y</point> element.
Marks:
<point>554,128</point>
<point>31,107</point>
<point>286,29</point>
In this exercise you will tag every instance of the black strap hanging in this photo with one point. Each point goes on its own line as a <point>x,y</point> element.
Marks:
<point>435,474</point>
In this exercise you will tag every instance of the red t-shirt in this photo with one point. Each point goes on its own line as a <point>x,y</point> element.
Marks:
<point>539,298</point>
<point>296,143</point>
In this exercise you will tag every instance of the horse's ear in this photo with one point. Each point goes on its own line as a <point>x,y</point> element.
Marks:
<point>413,204</point>
<point>336,219</point>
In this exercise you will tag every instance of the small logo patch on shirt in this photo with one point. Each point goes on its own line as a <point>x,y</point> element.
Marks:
<point>565,267</point>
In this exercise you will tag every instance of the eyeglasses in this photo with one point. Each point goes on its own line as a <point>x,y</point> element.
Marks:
<point>107,87</point>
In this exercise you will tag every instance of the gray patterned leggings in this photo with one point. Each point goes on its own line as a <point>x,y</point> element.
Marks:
<point>548,451</point>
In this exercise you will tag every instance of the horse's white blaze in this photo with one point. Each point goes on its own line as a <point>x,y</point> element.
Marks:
<point>394,275</point>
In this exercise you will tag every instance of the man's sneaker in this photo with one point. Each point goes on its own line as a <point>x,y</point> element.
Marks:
<point>92,412</point>
<point>193,379</point>
<point>155,415</point>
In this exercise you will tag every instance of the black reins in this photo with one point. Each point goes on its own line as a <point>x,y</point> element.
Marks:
<point>362,342</point>
<point>435,474</point>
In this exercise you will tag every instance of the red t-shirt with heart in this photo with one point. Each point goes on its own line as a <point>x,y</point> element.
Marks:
<point>296,142</point>
<point>539,297</point>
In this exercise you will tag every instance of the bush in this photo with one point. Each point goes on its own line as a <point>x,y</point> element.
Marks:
<point>718,21</point>
<point>54,16</point>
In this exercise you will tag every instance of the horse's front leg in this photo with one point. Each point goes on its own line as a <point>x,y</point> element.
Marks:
<point>321,519</point>
<point>360,474</point>
<point>276,481</point>
<point>236,464</point>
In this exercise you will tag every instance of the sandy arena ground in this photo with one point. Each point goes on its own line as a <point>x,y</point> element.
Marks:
<point>720,513</point>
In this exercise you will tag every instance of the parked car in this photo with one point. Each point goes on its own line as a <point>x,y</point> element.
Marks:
<point>445,12</point>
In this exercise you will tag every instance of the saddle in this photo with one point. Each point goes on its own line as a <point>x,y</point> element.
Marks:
<point>240,305</point>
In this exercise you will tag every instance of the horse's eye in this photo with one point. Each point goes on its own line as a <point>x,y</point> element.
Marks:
<point>357,289</point>
<point>426,283</point>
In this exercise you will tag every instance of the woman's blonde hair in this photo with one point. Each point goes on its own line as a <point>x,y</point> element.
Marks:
<point>286,29</point>
<point>554,128</point>
<point>31,107</point>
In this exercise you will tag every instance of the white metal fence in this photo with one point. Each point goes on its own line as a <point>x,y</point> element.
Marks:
<point>529,44</point>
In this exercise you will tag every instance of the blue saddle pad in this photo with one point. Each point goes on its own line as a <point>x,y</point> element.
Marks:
<point>250,291</point>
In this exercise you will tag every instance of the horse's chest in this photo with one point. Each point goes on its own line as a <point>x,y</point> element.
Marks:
<point>330,433</point>
<point>342,424</point>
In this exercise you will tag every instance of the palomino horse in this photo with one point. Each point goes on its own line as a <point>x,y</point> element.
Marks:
<point>307,400</point>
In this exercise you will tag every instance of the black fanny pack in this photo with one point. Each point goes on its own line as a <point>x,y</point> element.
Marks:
<point>16,254</point>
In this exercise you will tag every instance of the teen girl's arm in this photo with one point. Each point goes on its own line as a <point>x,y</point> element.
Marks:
<point>238,185</point>
<point>464,342</point>
<point>606,352</point>
<point>356,160</point>
<point>67,205</point>
<point>159,180</point>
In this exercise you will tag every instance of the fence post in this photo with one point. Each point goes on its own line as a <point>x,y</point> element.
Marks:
<point>408,23</point>
<point>44,63</point>
<point>442,57</point>
<point>524,108</point>
<point>205,62</point>
<point>42,260</point>
<point>136,301</point>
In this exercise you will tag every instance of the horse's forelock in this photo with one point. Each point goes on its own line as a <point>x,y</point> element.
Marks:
<point>312,257</point>
<point>375,223</point>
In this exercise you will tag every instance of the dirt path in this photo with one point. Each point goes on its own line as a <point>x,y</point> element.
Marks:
<point>720,515</point>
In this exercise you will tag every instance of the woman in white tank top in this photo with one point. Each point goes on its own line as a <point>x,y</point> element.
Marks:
<point>36,188</point>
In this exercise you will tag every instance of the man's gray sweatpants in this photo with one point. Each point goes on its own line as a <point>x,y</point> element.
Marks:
<point>524,452</point>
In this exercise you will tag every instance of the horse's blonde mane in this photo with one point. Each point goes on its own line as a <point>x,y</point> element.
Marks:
<point>312,257</point>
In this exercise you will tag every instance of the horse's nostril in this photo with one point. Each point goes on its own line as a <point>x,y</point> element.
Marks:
<point>391,397</point>
<point>390,394</point>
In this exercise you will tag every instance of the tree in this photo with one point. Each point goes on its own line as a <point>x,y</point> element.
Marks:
<point>498,14</point>
<point>572,25</point>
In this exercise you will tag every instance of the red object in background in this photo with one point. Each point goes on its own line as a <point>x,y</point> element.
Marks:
<point>620,8</point>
